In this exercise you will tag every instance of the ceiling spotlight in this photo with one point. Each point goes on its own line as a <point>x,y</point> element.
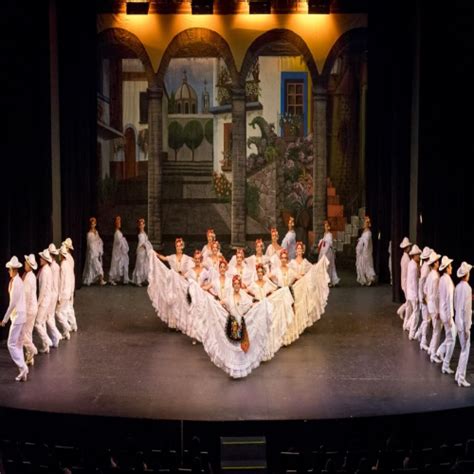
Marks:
<point>260,6</point>
<point>137,8</point>
<point>202,7</point>
<point>318,6</point>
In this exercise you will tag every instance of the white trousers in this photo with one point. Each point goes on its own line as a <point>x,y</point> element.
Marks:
<point>437,326</point>
<point>40,326</point>
<point>61,317</point>
<point>422,332</point>
<point>15,345</point>
<point>445,350</point>
<point>71,316</point>
<point>27,334</point>
<point>413,310</point>
<point>53,331</point>
<point>465,342</point>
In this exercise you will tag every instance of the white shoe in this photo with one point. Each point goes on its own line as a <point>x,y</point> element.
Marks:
<point>424,347</point>
<point>22,376</point>
<point>113,283</point>
<point>463,383</point>
<point>447,370</point>
<point>102,283</point>
<point>436,359</point>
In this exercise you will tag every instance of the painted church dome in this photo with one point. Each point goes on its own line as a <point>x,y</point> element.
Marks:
<point>185,98</point>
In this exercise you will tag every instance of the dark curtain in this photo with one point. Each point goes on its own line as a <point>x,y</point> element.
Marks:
<point>78,114</point>
<point>390,63</point>
<point>446,195</point>
<point>25,178</point>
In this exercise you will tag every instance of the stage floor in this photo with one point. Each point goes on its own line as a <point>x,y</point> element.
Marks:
<point>356,361</point>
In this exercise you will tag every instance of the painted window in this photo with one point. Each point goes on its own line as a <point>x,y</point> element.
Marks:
<point>294,104</point>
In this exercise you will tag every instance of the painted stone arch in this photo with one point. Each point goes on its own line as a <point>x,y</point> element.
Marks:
<point>197,42</point>
<point>128,42</point>
<point>264,41</point>
<point>354,40</point>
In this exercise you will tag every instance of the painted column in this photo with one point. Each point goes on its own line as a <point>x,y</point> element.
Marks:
<point>320,161</point>
<point>239,153</point>
<point>155,147</point>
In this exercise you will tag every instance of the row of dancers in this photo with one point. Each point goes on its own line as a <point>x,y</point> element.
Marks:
<point>43,304</point>
<point>119,268</point>
<point>428,287</point>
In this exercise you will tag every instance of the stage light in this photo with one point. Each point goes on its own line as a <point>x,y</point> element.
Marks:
<point>137,8</point>
<point>202,7</point>
<point>318,6</point>
<point>260,6</point>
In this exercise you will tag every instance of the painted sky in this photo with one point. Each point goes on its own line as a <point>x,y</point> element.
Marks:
<point>197,70</point>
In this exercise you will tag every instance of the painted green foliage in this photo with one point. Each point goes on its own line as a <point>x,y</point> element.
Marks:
<point>209,131</point>
<point>193,135</point>
<point>175,137</point>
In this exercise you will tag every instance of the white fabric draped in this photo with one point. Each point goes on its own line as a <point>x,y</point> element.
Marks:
<point>183,304</point>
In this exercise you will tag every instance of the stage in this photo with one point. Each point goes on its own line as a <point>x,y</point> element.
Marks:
<point>355,362</point>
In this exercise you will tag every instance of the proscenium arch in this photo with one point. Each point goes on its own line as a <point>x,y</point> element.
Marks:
<point>197,43</point>
<point>122,38</point>
<point>354,40</point>
<point>278,35</point>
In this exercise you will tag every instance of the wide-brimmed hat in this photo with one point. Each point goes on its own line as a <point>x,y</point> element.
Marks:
<point>45,255</point>
<point>415,250</point>
<point>463,270</point>
<point>53,250</point>
<point>405,243</point>
<point>433,257</point>
<point>31,260</point>
<point>425,255</point>
<point>63,250</point>
<point>13,263</point>
<point>68,243</point>
<point>445,261</point>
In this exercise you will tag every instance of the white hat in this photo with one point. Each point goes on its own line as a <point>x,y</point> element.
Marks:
<point>31,260</point>
<point>68,243</point>
<point>425,255</point>
<point>433,257</point>
<point>405,243</point>
<point>45,255</point>
<point>13,263</point>
<point>63,250</point>
<point>415,250</point>
<point>445,261</point>
<point>53,250</point>
<point>463,270</point>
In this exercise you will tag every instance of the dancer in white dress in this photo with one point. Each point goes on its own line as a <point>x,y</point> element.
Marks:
<point>16,312</point>
<point>31,300</point>
<point>238,266</point>
<point>179,262</point>
<point>93,269</point>
<point>119,264</point>
<point>261,287</point>
<point>142,264</point>
<point>207,249</point>
<point>289,241</point>
<point>364,258</point>
<point>259,258</point>
<point>273,249</point>
<point>212,262</point>
<point>220,284</point>
<point>284,275</point>
<point>463,310</point>
<point>325,248</point>
<point>198,273</point>
<point>299,264</point>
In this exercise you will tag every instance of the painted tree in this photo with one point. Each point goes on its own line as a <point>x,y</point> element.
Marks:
<point>209,131</point>
<point>193,135</point>
<point>175,137</point>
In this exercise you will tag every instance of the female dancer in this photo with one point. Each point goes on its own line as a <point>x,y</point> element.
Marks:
<point>283,275</point>
<point>179,262</point>
<point>325,247</point>
<point>299,264</point>
<point>273,250</point>
<point>289,241</point>
<point>237,302</point>
<point>364,259</point>
<point>237,266</point>
<point>261,287</point>
<point>120,260</point>
<point>258,258</point>
<point>220,284</point>
<point>140,273</point>
<point>212,262</point>
<point>207,249</point>
<point>198,273</point>
<point>95,249</point>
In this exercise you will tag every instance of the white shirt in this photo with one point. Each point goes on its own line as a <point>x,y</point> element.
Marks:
<point>446,298</point>
<point>463,306</point>
<point>29,287</point>
<point>17,308</point>
<point>413,273</point>
<point>66,285</point>
<point>45,285</point>
<point>289,243</point>
<point>432,291</point>
<point>300,268</point>
<point>181,266</point>
<point>404,270</point>
<point>424,272</point>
